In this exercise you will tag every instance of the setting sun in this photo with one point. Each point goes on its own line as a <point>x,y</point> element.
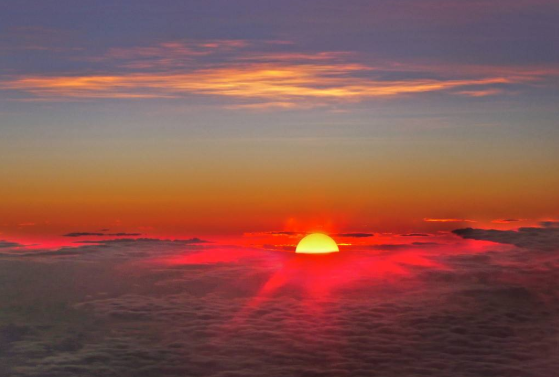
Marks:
<point>317,243</point>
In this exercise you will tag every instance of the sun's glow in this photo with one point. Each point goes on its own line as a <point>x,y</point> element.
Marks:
<point>317,243</point>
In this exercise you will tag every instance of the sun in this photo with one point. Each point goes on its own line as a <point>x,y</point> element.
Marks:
<point>317,243</point>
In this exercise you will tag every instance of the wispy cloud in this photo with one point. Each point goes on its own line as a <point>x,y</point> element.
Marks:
<point>285,82</point>
<point>27,224</point>
<point>451,220</point>
<point>481,92</point>
<point>545,238</point>
<point>7,244</point>
<point>170,54</point>
<point>257,80</point>
<point>507,221</point>
<point>353,235</point>
<point>97,234</point>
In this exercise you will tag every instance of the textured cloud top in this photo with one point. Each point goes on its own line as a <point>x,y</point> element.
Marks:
<point>184,308</point>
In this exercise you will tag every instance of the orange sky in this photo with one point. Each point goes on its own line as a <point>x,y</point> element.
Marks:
<point>345,117</point>
<point>209,188</point>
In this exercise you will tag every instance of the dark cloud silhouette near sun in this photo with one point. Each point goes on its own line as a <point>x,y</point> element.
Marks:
<point>545,237</point>
<point>8,244</point>
<point>353,235</point>
<point>98,234</point>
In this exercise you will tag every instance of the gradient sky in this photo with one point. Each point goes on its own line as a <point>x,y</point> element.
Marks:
<point>226,117</point>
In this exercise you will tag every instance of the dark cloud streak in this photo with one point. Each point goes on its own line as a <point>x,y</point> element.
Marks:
<point>544,238</point>
<point>87,234</point>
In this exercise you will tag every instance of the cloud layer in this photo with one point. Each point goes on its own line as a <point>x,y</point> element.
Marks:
<point>162,308</point>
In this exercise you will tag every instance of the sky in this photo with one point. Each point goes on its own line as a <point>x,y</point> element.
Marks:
<point>226,117</point>
<point>161,160</point>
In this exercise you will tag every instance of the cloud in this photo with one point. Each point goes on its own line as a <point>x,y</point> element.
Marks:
<point>353,235</point>
<point>402,246</point>
<point>284,233</point>
<point>8,244</point>
<point>252,79</point>
<point>170,54</point>
<point>111,248</point>
<point>150,307</point>
<point>276,233</point>
<point>451,220</point>
<point>485,314</point>
<point>480,93</point>
<point>87,234</point>
<point>544,238</point>
<point>81,234</point>
<point>415,235</point>
<point>301,234</point>
<point>27,224</point>
<point>194,240</point>
<point>273,82</point>
<point>550,224</point>
<point>507,221</point>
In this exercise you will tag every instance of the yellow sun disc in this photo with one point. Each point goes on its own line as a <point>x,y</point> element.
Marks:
<point>317,243</point>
